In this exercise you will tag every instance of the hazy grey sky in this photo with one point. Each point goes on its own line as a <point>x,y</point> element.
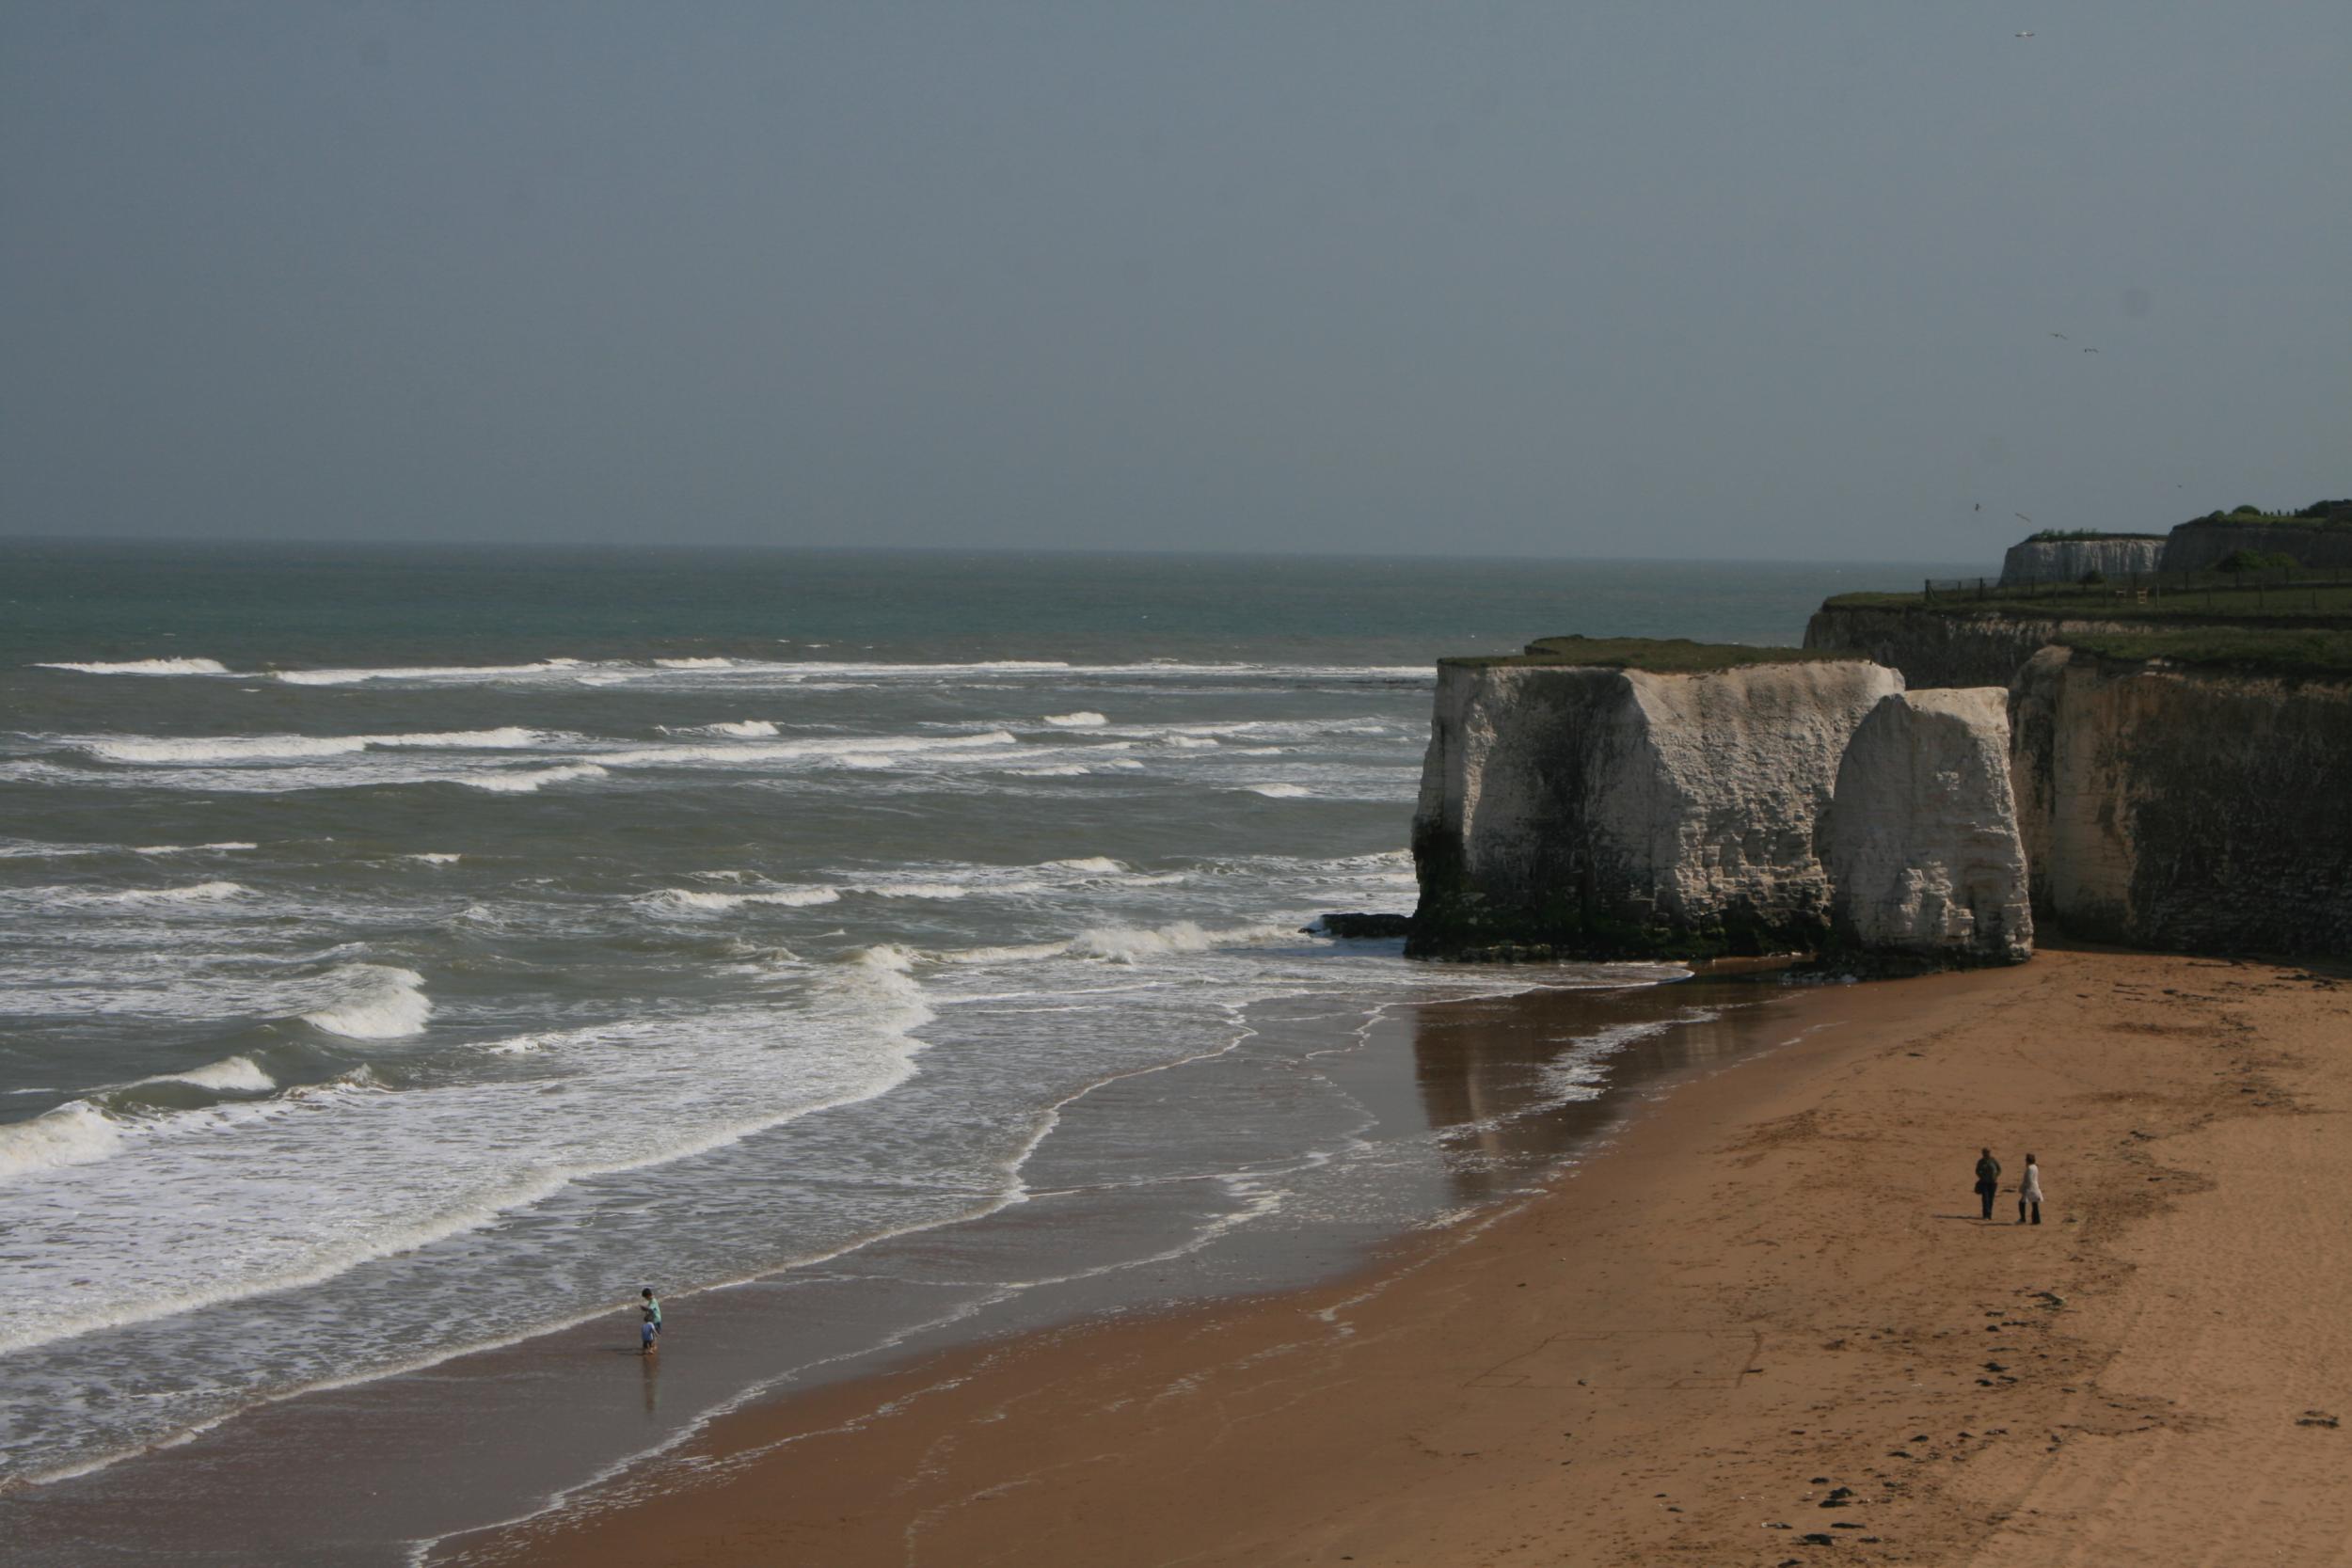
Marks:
<point>1616,280</point>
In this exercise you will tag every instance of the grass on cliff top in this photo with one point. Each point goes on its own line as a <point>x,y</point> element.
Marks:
<point>2257,650</point>
<point>2076,535</point>
<point>1676,656</point>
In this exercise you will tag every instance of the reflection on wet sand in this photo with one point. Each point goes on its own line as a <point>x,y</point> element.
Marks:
<point>1515,1085</point>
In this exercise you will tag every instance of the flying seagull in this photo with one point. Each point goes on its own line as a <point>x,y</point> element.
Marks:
<point>2090,351</point>
<point>1979,507</point>
<point>2057,335</point>
<point>2021,516</point>
<point>2022,35</point>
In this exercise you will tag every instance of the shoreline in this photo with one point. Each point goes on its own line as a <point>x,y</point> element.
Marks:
<point>1465,1091</point>
<point>1761,1290</point>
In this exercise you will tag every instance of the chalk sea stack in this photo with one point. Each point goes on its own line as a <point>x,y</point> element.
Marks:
<point>1632,798</point>
<point>1921,839</point>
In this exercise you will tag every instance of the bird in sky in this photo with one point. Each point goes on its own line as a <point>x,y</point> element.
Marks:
<point>2021,516</point>
<point>1979,507</point>
<point>2059,335</point>
<point>2023,35</point>
<point>2090,351</point>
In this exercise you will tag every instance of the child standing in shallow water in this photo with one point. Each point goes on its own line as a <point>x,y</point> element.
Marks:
<point>2029,1192</point>
<point>649,1326</point>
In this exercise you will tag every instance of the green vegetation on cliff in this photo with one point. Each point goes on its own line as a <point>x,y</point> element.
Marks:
<point>1658,656</point>
<point>2332,514</point>
<point>2316,651</point>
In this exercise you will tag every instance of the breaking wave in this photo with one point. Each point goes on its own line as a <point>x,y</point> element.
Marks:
<point>203,748</point>
<point>237,1073</point>
<point>201,892</point>
<point>75,1134</point>
<point>532,780</point>
<point>147,667</point>
<point>681,900</point>
<point>747,729</point>
<point>375,1002</point>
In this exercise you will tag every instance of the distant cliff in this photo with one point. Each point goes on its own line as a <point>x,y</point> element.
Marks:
<point>1614,811</point>
<point>2197,547</point>
<point>2179,806</point>
<point>2114,555</point>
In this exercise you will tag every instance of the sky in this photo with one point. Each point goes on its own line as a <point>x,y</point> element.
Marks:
<point>1799,281</point>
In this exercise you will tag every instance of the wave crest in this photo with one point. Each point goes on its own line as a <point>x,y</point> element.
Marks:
<point>75,1134</point>
<point>374,1002</point>
<point>147,667</point>
<point>531,781</point>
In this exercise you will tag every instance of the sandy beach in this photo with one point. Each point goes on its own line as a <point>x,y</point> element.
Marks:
<point>1764,1325</point>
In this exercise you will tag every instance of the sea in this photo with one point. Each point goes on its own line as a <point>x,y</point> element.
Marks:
<point>410,950</point>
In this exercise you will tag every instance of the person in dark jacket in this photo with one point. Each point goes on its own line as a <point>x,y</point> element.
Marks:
<point>1987,1179</point>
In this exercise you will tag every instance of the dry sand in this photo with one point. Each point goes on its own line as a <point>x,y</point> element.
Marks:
<point>1764,1328</point>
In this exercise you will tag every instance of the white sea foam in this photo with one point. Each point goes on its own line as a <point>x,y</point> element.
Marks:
<point>231,1072</point>
<point>695,663</point>
<point>1280,791</point>
<point>522,1045</point>
<point>247,748</point>
<point>201,893</point>
<point>747,729</point>
<point>1076,721</point>
<point>75,1134</point>
<point>531,781</point>
<point>435,857</point>
<point>1132,945</point>
<point>221,748</point>
<point>913,890</point>
<point>426,672</point>
<point>1191,743</point>
<point>506,737</point>
<point>1092,865</point>
<point>372,1001</point>
<point>680,900</point>
<point>149,666</point>
<point>1056,770</point>
<point>827,747</point>
<point>192,849</point>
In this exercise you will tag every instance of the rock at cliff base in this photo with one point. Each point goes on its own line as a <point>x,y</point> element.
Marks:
<point>1921,840</point>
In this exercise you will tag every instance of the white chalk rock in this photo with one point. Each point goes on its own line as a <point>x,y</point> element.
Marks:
<point>1921,839</point>
<point>1618,810</point>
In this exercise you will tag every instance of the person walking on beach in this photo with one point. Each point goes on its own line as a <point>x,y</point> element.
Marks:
<point>649,1328</point>
<point>1987,1179</point>
<point>2029,1191</point>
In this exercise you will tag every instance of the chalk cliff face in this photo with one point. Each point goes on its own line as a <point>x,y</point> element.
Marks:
<point>2068,560</point>
<point>1620,811</point>
<point>2186,808</point>
<point>1921,841</point>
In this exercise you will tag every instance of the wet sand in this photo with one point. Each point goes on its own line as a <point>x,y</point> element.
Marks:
<point>1468,1095</point>
<point>1764,1324</point>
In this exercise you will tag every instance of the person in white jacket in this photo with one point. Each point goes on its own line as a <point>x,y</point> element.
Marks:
<point>2029,1192</point>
